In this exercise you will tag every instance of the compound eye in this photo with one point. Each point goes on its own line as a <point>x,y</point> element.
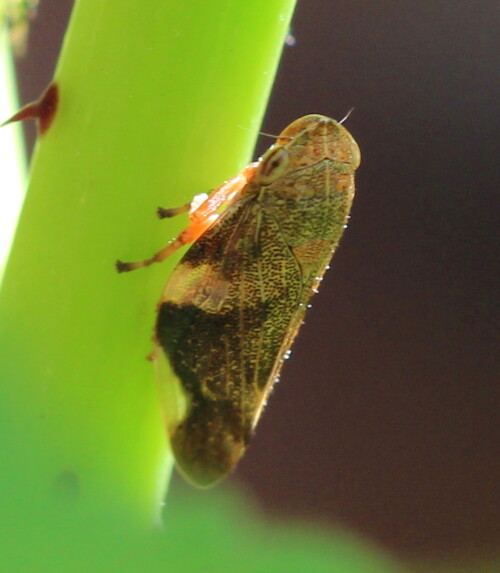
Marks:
<point>273,165</point>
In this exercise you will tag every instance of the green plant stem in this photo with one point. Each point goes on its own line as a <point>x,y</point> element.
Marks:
<point>158,101</point>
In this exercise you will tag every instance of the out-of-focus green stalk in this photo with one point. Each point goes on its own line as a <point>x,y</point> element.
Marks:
<point>158,101</point>
<point>12,156</point>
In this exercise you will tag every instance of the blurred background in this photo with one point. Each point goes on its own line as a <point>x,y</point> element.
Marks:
<point>385,420</point>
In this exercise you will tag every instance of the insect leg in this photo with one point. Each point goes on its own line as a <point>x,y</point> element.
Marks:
<point>203,213</point>
<point>196,201</point>
<point>167,213</point>
<point>190,233</point>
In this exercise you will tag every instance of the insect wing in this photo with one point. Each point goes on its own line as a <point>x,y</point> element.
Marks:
<point>222,321</point>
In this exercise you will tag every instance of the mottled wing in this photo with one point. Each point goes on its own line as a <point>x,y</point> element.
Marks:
<point>222,322</point>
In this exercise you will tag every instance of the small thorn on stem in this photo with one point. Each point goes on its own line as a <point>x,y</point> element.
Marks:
<point>43,110</point>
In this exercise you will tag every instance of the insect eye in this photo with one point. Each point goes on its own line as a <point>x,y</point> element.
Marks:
<point>273,165</point>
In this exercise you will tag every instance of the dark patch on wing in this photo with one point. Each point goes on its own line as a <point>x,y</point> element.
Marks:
<point>209,442</point>
<point>213,436</point>
<point>223,243</point>
<point>192,337</point>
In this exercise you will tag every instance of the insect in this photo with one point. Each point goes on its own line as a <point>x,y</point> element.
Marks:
<point>233,305</point>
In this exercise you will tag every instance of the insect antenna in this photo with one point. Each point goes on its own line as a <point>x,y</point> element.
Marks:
<point>276,136</point>
<point>346,115</point>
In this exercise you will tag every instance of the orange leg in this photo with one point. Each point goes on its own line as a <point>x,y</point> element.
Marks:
<point>202,214</point>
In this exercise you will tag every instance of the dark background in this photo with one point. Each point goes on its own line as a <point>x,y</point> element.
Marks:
<point>386,416</point>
